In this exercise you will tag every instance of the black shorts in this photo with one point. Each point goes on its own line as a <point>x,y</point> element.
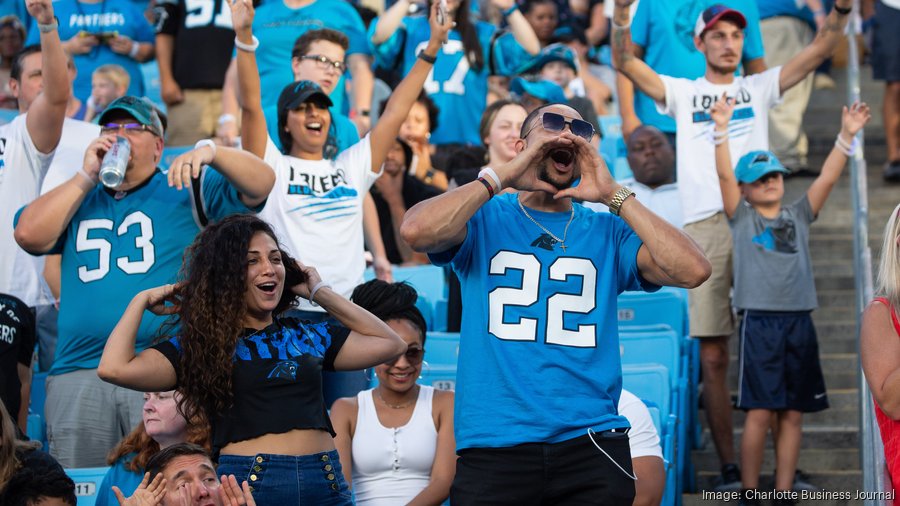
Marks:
<point>885,44</point>
<point>570,472</point>
<point>778,363</point>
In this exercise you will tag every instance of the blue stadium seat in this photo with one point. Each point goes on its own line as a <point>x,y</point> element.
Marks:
<point>440,316</point>
<point>87,481</point>
<point>7,115</point>
<point>37,425</point>
<point>152,85</point>
<point>429,282</point>
<point>650,382</point>
<point>170,153</point>
<point>441,357</point>
<point>667,306</point>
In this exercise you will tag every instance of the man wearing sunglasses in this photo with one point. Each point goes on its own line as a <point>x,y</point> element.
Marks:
<point>719,35</point>
<point>114,243</point>
<point>539,371</point>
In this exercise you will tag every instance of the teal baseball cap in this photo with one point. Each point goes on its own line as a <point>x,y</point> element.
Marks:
<point>140,109</point>
<point>548,91</point>
<point>757,164</point>
<point>553,52</point>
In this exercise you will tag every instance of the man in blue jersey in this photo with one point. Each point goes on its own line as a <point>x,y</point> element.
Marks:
<point>539,371</point>
<point>114,243</point>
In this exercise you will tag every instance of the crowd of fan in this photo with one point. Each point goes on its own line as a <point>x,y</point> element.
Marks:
<point>367,132</point>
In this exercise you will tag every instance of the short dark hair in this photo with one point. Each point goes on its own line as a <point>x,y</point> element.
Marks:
<point>158,462</point>
<point>528,5</point>
<point>40,476</point>
<point>15,72</point>
<point>301,45</point>
<point>390,301</point>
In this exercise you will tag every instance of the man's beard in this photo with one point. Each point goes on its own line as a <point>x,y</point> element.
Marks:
<point>544,175</point>
<point>719,69</point>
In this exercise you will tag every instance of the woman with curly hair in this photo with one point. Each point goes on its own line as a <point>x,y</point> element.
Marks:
<point>254,373</point>
<point>162,426</point>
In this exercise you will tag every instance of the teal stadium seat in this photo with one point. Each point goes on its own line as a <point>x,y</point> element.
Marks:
<point>87,481</point>
<point>170,153</point>
<point>7,115</point>
<point>37,425</point>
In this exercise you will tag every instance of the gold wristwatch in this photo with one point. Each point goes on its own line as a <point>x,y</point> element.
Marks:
<point>615,205</point>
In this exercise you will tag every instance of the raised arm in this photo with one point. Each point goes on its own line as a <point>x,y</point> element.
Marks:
<point>48,111</point>
<point>520,27</point>
<point>439,223</point>
<point>253,121</point>
<point>624,60</point>
<point>819,50</point>
<point>668,256</point>
<point>227,126</point>
<point>43,221</point>
<point>375,241</point>
<point>363,84</point>
<point>852,121</point>
<point>390,21</point>
<point>371,341</point>
<point>879,349</point>
<point>149,371</point>
<point>251,177</point>
<point>404,96</point>
<point>721,113</point>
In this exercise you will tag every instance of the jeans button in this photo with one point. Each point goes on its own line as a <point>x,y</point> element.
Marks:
<point>328,467</point>
<point>334,486</point>
<point>325,458</point>
<point>259,460</point>
<point>257,468</point>
<point>252,477</point>
<point>330,476</point>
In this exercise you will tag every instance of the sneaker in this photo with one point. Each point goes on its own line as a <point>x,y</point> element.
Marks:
<point>823,81</point>
<point>892,172</point>
<point>730,480</point>
<point>801,483</point>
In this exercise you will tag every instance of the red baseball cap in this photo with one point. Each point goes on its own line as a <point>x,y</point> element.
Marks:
<point>716,13</point>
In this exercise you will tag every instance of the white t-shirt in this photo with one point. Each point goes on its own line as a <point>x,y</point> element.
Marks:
<point>892,3</point>
<point>22,170</point>
<point>689,102</point>
<point>316,208</point>
<point>663,200</point>
<point>642,438</point>
<point>76,136</point>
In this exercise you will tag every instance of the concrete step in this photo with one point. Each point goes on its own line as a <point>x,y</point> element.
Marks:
<point>843,410</point>
<point>823,436</point>
<point>833,480</point>
<point>811,459</point>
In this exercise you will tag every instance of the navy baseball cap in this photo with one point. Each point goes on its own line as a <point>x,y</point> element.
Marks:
<point>757,164</point>
<point>551,53</point>
<point>140,109</point>
<point>297,93</point>
<point>548,91</point>
<point>716,13</point>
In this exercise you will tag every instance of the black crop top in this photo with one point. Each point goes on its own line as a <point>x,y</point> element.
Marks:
<point>277,379</point>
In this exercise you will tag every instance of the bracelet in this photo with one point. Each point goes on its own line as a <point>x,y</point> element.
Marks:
<point>843,11</point>
<point>207,142</point>
<point>364,113</point>
<point>227,118</point>
<point>49,27</point>
<point>718,135</point>
<point>617,26</point>
<point>312,293</point>
<point>843,146</point>
<point>429,59</point>
<point>135,47</point>
<point>514,8</point>
<point>250,48</point>
<point>489,172</point>
<point>721,140</point>
<point>487,185</point>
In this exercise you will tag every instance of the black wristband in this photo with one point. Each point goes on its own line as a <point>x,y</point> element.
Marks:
<point>843,11</point>
<point>429,59</point>
<point>489,186</point>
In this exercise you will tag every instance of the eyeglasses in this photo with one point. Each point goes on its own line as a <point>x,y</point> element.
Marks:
<point>112,128</point>
<point>553,122</point>
<point>324,63</point>
<point>413,356</point>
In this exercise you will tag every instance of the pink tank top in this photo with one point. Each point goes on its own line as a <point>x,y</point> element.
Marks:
<point>890,429</point>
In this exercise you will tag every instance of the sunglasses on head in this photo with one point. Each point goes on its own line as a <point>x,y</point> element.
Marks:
<point>413,356</point>
<point>553,122</point>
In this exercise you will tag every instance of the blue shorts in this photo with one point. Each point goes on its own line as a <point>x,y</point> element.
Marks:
<point>287,480</point>
<point>778,363</point>
<point>886,40</point>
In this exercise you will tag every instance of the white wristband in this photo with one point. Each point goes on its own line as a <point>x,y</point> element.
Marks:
<point>312,293</point>
<point>250,48</point>
<point>227,118</point>
<point>489,172</point>
<point>135,47</point>
<point>207,142</point>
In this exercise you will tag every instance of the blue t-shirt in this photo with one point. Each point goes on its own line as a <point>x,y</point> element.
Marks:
<point>772,8</point>
<point>539,355</point>
<point>342,128</point>
<point>126,18</point>
<point>278,26</point>
<point>665,29</point>
<point>127,481</point>
<point>509,56</point>
<point>114,248</point>
<point>459,92</point>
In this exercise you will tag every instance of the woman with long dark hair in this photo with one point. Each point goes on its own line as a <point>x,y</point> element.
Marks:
<point>255,374</point>
<point>459,82</point>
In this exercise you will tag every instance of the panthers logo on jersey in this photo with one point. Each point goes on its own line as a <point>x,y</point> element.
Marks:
<point>545,241</point>
<point>286,370</point>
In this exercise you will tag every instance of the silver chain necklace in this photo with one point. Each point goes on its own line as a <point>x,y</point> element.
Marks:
<point>562,242</point>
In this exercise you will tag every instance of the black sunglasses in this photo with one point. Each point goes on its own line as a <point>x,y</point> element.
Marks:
<point>413,356</point>
<point>553,122</point>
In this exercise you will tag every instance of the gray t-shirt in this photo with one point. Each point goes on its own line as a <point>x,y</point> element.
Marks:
<point>772,267</point>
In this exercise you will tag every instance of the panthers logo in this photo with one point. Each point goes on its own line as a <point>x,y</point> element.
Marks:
<point>286,370</point>
<point>545,241</point>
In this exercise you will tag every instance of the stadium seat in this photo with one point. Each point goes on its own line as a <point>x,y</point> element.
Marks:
<point>441,356</point>
<point>37,425</point>
<point>87,481</point>
<point>650,382</point>
<point>7,115</point>
<point>429,282</point>
<point>667,306</point>
<point>152,84</point>
<point>170,153</point>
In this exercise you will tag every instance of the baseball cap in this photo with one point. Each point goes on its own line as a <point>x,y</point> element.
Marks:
<point>757,164</point>
<point>568,33</point>
<point>716,13</point>
<point>551,53</point>
<point>299,92</point>
<point>547,91</point>
<point>140,109</point>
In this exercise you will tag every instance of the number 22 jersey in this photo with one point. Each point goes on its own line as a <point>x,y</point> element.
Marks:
<point>539,351</point>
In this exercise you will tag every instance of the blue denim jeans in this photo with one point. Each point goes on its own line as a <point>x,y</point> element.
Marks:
<point>286,480</point>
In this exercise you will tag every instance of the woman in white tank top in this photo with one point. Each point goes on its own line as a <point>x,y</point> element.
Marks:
<point>396,441</point>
